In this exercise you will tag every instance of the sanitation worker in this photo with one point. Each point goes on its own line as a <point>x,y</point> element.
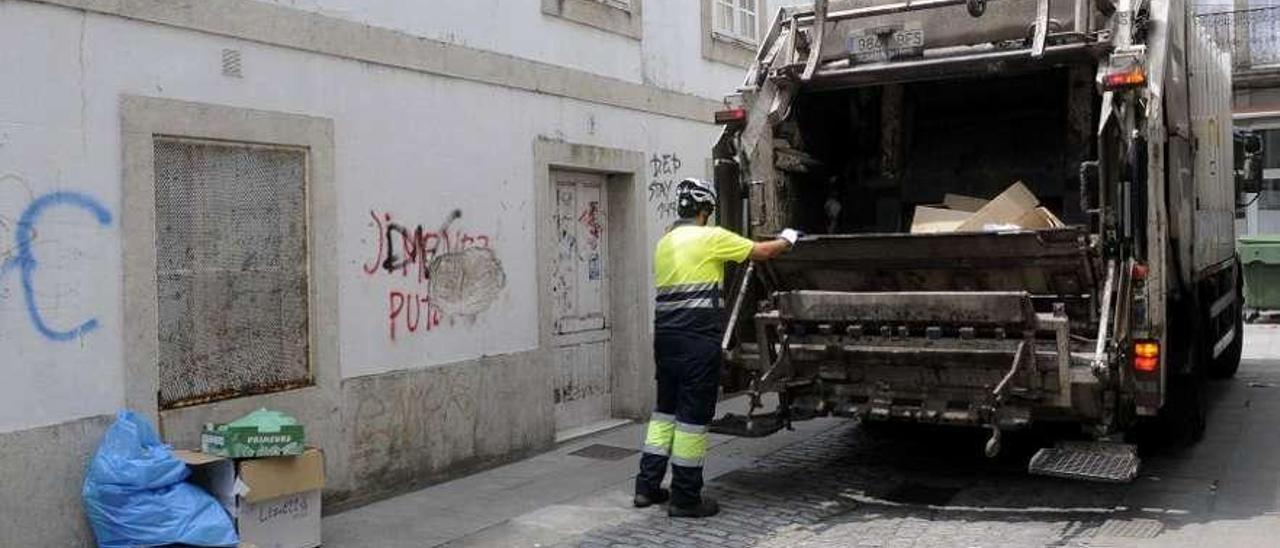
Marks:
<point>688,326</point>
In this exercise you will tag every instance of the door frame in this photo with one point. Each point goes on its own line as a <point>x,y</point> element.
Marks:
<point>629,264</point>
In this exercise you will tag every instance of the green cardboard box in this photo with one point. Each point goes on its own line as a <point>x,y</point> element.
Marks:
<point>261,433</point>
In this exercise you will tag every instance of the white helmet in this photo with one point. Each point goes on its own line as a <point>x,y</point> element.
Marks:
<point>694,196</point>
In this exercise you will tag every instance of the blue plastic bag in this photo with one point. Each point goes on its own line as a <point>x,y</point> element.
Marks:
<point>135,493</point>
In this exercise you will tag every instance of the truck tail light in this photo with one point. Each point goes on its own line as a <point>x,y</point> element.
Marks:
<point>733,116</point>
<point>1131,78</point>
<point>1124,73</point>
<point>1146,356</point>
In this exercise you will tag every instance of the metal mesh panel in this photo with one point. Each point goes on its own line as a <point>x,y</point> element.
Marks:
<point>231,270</point>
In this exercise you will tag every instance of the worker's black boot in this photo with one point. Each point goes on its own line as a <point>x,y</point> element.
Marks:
<point>706,508</point>
<point>643,500</point>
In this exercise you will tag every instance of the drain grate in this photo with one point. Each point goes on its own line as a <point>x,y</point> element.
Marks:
<point>1130,528</point>
<point>915,493</point>
<point>604,452</point>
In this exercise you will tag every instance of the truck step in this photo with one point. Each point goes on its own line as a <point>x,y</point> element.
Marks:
<point>741,426</point>
<point>1089,461</point>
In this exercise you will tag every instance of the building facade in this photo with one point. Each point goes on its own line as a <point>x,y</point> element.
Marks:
<point>1251,30</point>
<point>423,229</point>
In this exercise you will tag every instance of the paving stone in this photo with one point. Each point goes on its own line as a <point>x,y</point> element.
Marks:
<point>833,488</point>
<point>823,484</point>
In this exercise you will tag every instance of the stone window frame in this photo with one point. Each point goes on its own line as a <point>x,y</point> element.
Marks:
<point>607,15</point>
<point>729,50</point>
<point>738,10</point>
<point>142,120</point>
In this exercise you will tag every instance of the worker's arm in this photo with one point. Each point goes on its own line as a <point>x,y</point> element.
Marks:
<point>763,251</point>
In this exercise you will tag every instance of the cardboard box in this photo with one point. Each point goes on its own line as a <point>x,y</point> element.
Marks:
<point>1039,218</point>
<point>960,202</point>
<point>275,502</point>
<point>929,220</point>
<point>1015,208</point>
<point>1006,209</point>
<point>262,433</point>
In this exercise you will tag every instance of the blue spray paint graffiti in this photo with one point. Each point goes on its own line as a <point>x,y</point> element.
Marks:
<point>24,261</point>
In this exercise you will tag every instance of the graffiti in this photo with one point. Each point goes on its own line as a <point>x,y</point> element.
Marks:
<point>566,251</point>
<point>665,170</point>
<point>22,257</point>
<point>665,164</point>
<point>668,210</point>
<point>454,273</point>
<point>10,185</point>
<point>413,310</point>
<point>590,217</point>
<point>660,191</point>
<point>405,250</point>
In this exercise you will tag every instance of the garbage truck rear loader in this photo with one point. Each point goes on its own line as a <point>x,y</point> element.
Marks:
<point>1101,290</point>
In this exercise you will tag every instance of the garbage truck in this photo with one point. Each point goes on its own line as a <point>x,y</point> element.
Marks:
<point>1016,213</point>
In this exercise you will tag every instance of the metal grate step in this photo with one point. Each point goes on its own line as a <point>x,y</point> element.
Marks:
<point>1089,461</point>
<point>741,426</point>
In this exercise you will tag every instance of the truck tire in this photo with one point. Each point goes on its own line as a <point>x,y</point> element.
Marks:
<point>1226,365</point>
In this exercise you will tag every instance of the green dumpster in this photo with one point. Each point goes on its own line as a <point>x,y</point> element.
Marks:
<point>1260,255</point>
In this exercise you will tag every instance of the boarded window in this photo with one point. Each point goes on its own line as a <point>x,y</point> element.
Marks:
<point>231,270</point>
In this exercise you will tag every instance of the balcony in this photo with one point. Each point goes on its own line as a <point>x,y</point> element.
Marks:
<point>1253,37</point>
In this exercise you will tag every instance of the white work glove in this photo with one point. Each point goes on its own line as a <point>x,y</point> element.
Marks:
<point>791,235</point>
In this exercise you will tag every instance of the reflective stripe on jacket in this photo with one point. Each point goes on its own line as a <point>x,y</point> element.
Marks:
<point>689,270</point>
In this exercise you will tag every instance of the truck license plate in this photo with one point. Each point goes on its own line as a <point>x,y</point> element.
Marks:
<point>885,43</point>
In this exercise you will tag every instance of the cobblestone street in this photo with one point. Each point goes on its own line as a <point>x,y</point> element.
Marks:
<point>915,488</point>
<point>831,483</point>
<point>929,488</point>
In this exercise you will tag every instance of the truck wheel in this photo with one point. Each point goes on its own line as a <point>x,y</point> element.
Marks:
<point>1228,362</point>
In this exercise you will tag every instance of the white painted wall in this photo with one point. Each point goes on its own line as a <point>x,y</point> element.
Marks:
<point>414,145</point>
<point>47,146</point>
<point>669,56</point>
<point>516,28</point>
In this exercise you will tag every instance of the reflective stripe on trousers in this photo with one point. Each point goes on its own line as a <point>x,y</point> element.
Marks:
<point>689,448</point>
<point>661,434</point>
<point>688,371</point>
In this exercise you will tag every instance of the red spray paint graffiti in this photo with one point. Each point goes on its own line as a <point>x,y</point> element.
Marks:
<point>466,258</point>
<point>418,247</point>
<point>415,309</point>
<point>591,218</point>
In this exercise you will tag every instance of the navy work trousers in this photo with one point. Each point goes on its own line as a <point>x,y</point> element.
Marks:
<point>688,375</point>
